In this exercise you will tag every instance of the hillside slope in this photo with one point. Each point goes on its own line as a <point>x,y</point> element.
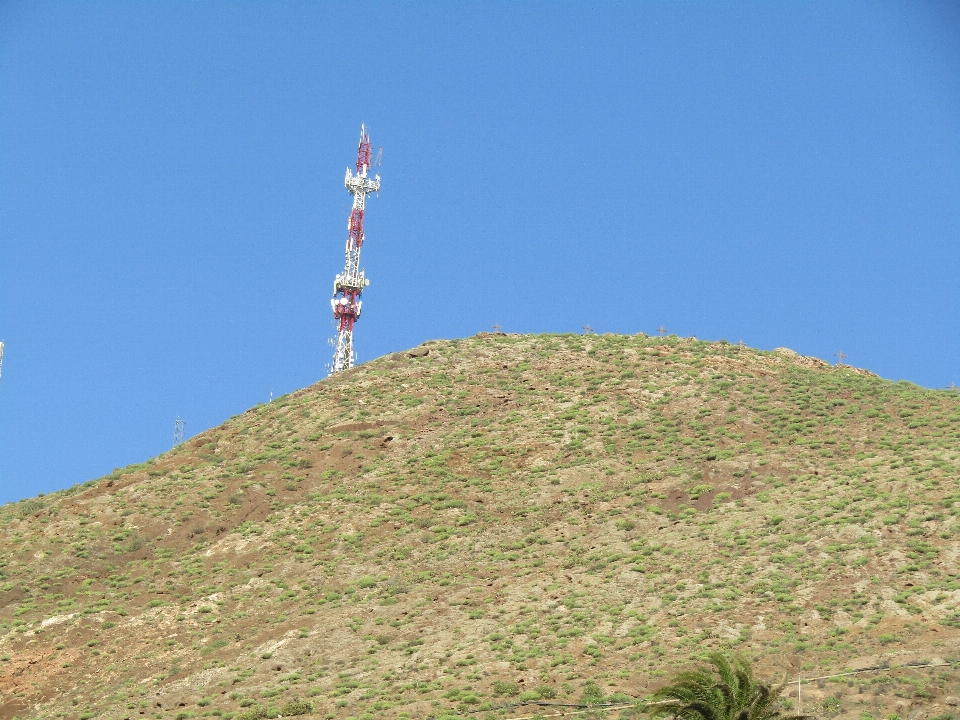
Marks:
<point>501,518</point>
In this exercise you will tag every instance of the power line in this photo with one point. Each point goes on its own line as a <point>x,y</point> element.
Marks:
<point>589,708</point>
<point>875,668</point>
<point>879,668</point>
<point>584,707</point>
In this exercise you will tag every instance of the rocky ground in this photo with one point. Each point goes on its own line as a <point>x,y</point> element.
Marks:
<point>501,519</point>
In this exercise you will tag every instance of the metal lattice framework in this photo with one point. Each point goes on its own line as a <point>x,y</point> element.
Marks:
<point>348,286</point>
<point>178,429</point>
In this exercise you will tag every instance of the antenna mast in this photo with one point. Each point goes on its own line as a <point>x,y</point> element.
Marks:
<point>178,429</point>
<point>348,286</point>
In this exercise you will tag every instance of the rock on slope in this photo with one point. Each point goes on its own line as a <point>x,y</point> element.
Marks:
<point>503,518</point>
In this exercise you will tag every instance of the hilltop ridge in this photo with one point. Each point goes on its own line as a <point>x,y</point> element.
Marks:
<point>503,517</point>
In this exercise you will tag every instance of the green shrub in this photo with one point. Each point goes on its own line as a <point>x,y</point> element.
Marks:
<point>505,688</point>
<point>297,707</point>
<point>214,646</point>
<point>255,713</point>
<point>831,705</point>
<point>696,492</point>
<point>592,693</point>
<point>952,620</point>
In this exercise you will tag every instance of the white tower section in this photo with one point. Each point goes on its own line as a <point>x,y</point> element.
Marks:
<point>178,429</point>
<point>348,286</point>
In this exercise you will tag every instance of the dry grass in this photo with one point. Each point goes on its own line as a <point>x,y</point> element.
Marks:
<point>507,517</point>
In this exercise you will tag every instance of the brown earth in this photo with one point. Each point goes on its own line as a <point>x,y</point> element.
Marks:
<point>505,518</point>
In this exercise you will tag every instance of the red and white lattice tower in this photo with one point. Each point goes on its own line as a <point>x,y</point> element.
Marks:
<point>348,286</point>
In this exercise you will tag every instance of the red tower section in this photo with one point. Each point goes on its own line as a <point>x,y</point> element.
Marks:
<point>349,285</point>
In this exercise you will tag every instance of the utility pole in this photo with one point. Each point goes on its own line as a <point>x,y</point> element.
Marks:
<point>350,284</point>
<point>178,429</point>
<point>840,358</point>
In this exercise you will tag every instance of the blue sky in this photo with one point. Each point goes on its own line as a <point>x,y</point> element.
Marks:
<point>172,209</point>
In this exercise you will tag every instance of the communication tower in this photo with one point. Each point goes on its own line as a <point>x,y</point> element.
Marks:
<point>348,286</point>
<point>178,429</point>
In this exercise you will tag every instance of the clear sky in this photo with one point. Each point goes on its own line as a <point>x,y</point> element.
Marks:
<point>172,209</point>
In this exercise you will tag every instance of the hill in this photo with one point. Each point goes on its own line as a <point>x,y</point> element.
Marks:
<point>502,518</point>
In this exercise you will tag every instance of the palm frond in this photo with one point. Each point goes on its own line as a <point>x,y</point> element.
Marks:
<point>725,689</point>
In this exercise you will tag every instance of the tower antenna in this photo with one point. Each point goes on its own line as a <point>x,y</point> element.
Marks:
<point>348,286</point>
<point>178,427</point>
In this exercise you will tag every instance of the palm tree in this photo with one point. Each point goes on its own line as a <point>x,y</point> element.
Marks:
<point>725,691</point>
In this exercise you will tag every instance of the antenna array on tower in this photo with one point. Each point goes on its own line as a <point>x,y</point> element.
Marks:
<point>348,286</point>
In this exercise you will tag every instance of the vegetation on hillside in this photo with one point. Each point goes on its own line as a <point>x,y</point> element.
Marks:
<point>502,519</point>
<point>724,690</point>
